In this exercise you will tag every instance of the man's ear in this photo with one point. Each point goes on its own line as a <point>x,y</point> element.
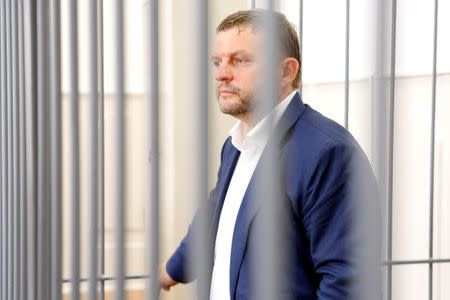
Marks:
<point>289,69</point>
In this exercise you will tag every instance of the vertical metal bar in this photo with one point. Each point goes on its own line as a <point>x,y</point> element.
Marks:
<point>200,43</point>
<point>300,38</point>
<point>432,151</point>
<point>267,281</point>
<point>347,59</point>
<point>2,242</point>
<point>380,105</point>
<point>22,134</point>
<point>253,4</point>
<point>74,148</point>
<point>153,99</point>
<point>119,132</point>
<point>10,172</point>
<point>391,141</point>
<point>15,160</point>
<point>43,203</point>
<point>101,152</point>
<point>3,149</point>
<point>2,196</point>
<point>30,51</point>
<point>92,157</point>
<point>55,149</point>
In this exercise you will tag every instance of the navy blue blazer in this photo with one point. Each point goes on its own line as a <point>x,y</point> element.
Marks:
<point>326,179</point>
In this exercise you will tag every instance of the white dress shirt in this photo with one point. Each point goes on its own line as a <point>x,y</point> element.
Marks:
<point>251,148</point>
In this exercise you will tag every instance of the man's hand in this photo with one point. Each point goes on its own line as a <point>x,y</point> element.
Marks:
<point>165,281</point>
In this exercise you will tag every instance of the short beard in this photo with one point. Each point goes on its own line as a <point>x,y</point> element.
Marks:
<point>241,107</point>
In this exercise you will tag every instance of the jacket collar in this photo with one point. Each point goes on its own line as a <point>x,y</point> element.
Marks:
<point>258,136</point>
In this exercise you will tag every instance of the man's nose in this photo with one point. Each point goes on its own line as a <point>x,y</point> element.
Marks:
<point>224,73</point>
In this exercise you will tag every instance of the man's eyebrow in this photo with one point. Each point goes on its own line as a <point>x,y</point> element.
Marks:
<point>231,54</point>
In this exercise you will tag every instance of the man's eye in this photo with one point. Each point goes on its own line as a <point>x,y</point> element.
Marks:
<point>216,63</point>
<point>240,60</point>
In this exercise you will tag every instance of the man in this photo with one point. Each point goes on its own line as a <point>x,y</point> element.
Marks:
<point>325,179</point>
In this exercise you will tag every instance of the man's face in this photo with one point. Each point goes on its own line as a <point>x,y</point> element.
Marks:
<point>237,69</point>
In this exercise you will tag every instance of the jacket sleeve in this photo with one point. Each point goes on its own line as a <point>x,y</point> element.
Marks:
<point>178,264</point>
<point>340,189</point>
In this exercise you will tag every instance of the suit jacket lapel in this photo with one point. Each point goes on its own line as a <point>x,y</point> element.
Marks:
<point>250,205</point>
<point>229,163</point>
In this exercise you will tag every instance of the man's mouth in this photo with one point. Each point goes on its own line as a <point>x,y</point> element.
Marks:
<point>227,92</point>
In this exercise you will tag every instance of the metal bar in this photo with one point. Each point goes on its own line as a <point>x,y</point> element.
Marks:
<point>92,157</point>
<point>380,121</point>
<point>110,278</point>
<point>119,132</point>
<point>4,165</point>
<point>417,261</point>
<point>347,59</point>
<point>55,149</point>
<point>363,80</point>
<point>153,100</point>
<point>391,141</point>
<point>432,151</point>
<point>3,148</point>
<point>22,133</point>
<point>200,250</point>
<point>74,148</point>
<point>31,141</point>
<point>300,38</point>
<point>253,4</point>
<point>101,147</point>
<point>10,150</point>
<point>2,242</point>
<point>266,281</point>
<point>2,196</point>
<point>15,146</point>
<point>43,203</point>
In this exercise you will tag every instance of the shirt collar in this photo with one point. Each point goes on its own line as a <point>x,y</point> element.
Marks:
<point>258,136</point>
